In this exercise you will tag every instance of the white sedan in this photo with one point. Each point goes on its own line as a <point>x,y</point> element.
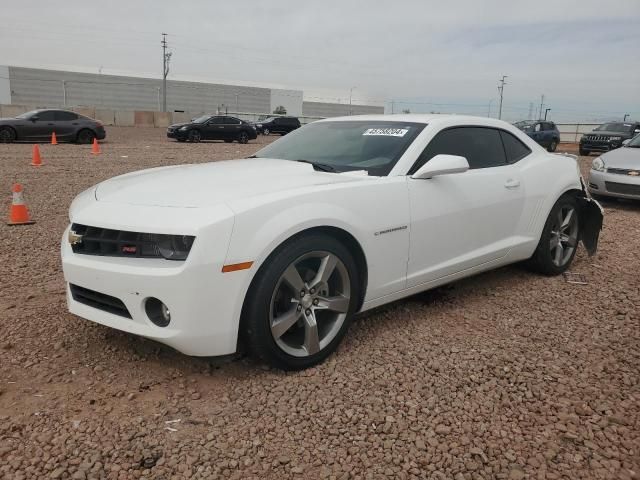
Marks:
<point>280,250</point>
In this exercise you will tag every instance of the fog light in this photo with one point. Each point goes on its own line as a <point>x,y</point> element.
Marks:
<point>157,312</point>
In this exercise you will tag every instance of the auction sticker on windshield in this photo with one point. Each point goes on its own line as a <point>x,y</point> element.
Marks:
<point>389,132</point>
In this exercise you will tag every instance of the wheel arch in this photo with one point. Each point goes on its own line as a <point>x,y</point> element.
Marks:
<point>9,127</point>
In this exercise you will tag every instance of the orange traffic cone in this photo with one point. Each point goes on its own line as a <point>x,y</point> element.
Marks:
<point>18,215</point>
<point>37,160</point>
<point>54,140</point>
<point>95,148</point>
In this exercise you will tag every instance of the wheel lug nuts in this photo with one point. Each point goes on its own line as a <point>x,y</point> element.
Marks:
<point>299,307</point>
<point>308,312</point>
<point>302,293</point>
<point>312,291</point>
<point>315,301</point>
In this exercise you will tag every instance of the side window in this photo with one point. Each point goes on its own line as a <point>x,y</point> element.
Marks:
<point>66,116</point>
<point>216,121</point>
<point>46,116</point>
<point>482,147</point>
<point>514,148</point>
<point>231,121</point>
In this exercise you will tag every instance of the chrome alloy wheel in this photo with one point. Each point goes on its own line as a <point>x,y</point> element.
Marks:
<point>564,235</point>
<point>310,303</point>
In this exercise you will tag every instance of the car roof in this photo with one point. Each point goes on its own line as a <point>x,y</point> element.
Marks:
<point>435,118</point>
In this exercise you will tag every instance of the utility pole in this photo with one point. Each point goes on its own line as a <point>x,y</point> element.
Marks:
<point>166,57</point>
<point>350,96</point>
<point>625,117</point>
<point>501,90</point>
<point>489,109</point>
<point>547,110</point>
<point>541,105</point>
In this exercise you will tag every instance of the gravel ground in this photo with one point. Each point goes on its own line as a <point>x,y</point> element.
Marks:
<point>506,375</point>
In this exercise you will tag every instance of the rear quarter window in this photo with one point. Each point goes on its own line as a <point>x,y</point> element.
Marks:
<point>514,149</point>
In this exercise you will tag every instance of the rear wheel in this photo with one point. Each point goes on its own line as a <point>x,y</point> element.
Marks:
<point>85,136</point>
<point>559,240</point>
<point>7,135</point>
<point>195,136</point>
<point>301,302</point>
<point>265,131</point>
<point>553,145</point>
<point>243,137</point>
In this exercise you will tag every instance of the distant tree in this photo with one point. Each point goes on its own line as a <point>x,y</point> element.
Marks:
<point>280,110</point>
<point>406,110</point>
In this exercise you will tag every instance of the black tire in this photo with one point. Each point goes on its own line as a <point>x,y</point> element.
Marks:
<point>265,131</point>
<point>243,137</point>
<point>255,323</point>
<point>7,135</point>
<point>85,136</point>
<point>553,145</point>
<point>542,261</point>
<point>195,136</point>
<point>584,153</point>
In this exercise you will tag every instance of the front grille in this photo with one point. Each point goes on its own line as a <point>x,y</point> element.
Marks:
<point>114,243</point>
<point>622,188</point>
<point>596,138</point>
<point>98,300</point>
<point>623,171</point>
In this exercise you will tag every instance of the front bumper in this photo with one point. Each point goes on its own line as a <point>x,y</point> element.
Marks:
<point>205,304</point>
<point>614,185</point>
<point>101,133</point>
<point>177,134</point>
<point>599,146</point>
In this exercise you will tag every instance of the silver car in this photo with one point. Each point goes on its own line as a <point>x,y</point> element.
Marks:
<point>617,173</point>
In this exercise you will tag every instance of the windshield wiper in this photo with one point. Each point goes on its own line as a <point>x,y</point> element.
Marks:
<point>319,166</point>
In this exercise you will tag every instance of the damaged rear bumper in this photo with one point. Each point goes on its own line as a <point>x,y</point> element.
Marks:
<point>591,218</point>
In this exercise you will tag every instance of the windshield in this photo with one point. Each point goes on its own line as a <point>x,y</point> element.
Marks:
<point>614,127</point>
<point>201,119</point>
<point>374,146</point>
<point>635,142</point>
<point>270,119</point>
<point>27,114</point>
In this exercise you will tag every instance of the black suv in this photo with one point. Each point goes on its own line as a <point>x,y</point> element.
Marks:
<point>542,131</point>
<point>281,125</point>
<point>38,125</point>
<point>213,127</point>
<point>608,136</point>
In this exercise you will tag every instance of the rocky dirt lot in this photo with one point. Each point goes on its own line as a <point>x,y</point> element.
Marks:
<point>507,375</point>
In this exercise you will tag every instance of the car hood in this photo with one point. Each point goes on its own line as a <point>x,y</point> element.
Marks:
<point>208,184</point>
<point>178,125</point>
<point>608,133</point>
<point>625,157</point>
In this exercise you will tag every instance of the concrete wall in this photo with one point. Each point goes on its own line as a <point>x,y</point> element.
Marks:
<point>322,109</point>
<point>5,86</point>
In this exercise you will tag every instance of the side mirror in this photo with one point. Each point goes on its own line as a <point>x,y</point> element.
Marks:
<point>442,165</point>
<point>626,142</point>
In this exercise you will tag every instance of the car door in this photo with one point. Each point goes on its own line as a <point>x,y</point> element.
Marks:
<point>214,129</point>
<point>66,125</point>
<point>232,127</point>
<point>536,132</point>
<point>40,126</point>
<point>462,220</point>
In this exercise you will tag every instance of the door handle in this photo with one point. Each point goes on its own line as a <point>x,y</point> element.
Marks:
<point>512,183</point>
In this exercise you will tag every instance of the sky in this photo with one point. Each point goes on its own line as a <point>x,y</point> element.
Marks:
<point>421,55</point>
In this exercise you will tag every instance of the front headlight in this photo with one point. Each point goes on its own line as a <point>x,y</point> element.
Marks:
<point>597,164</point>
<point>614,139</point>
<point>174,247</point>
<point>182,129</point>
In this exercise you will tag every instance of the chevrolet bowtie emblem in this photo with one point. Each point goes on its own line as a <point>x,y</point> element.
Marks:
<point>634,173</point>
<point>74,238</point>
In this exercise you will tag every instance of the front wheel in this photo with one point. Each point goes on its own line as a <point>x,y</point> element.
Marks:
<point>265,131</point>
<point>243,137</point>
<point>85,136</point>
<point>301,302</point>
<point>195,136</point>
<point>552,146</point>
<point>559,239</point>
<point>7,135</point>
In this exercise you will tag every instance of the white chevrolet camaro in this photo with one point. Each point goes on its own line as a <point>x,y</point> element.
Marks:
<point>280,250</point>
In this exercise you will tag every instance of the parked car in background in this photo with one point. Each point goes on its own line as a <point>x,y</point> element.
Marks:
<point>213,127</point>
<point>544,132</point>
<point>281,249</point>
<point>608,136</point>
<point>38,125</point>
<point>281,125</point>
<point>617,173</point>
